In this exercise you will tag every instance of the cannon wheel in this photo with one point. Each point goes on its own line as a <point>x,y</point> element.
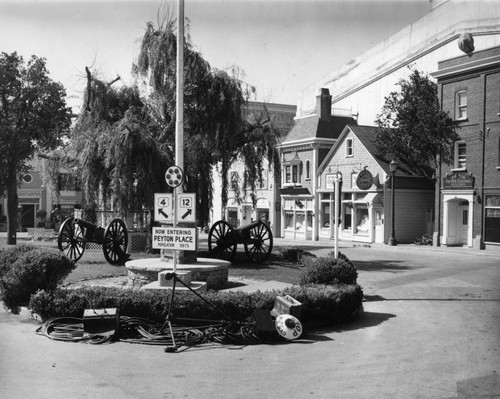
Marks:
<point>221,241</point>
<point>115,242</point>
<point>259,246</point>
<point>70,240</point>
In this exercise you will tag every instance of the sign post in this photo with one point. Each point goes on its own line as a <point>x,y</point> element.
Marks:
<point>174,176</point>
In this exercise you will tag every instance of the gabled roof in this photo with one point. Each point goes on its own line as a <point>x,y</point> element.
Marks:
<point>312,127</point>
<point>366,135</point>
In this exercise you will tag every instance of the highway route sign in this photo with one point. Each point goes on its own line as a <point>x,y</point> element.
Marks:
<point>185,207</point>
<point>164,211</point>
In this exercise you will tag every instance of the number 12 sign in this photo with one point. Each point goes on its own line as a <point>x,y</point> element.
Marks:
<point>186,207</point>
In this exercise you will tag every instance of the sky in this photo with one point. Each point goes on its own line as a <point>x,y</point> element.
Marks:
<point>282,46</point>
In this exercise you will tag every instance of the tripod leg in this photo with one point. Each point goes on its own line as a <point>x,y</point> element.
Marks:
<point>172,348</point>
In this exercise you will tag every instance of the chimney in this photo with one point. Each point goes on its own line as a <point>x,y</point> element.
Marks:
<point>324,104</point>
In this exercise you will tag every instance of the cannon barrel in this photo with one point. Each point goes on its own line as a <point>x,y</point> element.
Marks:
<point>87,225</point>
<point>92,232</point>
<point>249,226</point>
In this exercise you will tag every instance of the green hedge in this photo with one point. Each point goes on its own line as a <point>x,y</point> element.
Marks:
<point>322,305</point>
<point>25,269</point>
<point>328,270</point>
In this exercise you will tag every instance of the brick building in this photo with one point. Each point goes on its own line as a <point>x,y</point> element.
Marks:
<point>468,190</point>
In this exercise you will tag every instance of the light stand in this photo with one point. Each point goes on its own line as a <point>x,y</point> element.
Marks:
<point>393,167</point>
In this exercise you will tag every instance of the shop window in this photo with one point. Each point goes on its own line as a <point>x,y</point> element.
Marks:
<point>300,218</point>
<point>232,217</point>
<point>289,220</point>
<point>362,222</point>
<point>492,218</point>
<point>325,215</point>
<point>263,215</point>
<point>460,159</point>
<point>349,151</point>
<point>347,216</point>
<point>461,105</point>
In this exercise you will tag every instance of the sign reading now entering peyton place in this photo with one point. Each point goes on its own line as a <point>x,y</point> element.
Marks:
<point>176,238</point>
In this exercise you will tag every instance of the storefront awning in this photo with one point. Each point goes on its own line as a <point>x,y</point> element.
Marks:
<point>370,198</point>
<point>294,191</point>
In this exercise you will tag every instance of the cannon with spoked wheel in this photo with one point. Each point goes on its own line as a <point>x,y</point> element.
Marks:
<point>257,238</point>
<point>75,233</point>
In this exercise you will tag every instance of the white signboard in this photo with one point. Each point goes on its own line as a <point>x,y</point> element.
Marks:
<point>186,207</point>
<point>176,238</point>
<point>164,211</point>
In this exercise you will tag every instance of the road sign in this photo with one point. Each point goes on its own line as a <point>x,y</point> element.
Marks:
<point>185,207</point>
<point>164,211</point>
<point>174,238</point>
<point>174,176</point>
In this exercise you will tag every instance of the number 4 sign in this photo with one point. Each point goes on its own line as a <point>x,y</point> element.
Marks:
<point>186,207</point>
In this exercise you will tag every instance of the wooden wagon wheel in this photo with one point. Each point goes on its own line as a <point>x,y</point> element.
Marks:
<point>221,242</point>
<point>70,240</point>
<point>259,246</point>
<point>115,242</point>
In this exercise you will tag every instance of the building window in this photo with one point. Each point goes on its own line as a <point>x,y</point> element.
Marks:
<point>349,148</point>
<point>461,105</point>
<point>263,180</point>
<point>292,174</point>
<point>498,161</point>
<point>68,182</point>
<point>295,174</point>
<point>460,155</point>
<point>234,181</point>
<point>27,178</point>
<point>308,170</point>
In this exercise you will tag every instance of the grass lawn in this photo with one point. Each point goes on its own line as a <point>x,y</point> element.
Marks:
<point>92,265</point>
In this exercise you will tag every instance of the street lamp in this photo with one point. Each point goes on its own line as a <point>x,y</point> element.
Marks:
<point>392,167</point>
<point>338,181</point>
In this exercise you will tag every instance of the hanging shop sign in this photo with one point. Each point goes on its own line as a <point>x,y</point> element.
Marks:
<point>364,180</point>
<point>458,181</point>
<point>329,181</point>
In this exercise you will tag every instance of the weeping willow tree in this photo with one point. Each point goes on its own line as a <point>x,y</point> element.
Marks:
<point>115,143</point>
<point>124,139</point>
<point>216,129</point>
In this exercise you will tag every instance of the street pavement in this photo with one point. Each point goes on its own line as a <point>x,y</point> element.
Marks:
<point>430,329</point>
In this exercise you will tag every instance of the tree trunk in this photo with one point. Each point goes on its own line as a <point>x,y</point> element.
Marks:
<point>12,202</point>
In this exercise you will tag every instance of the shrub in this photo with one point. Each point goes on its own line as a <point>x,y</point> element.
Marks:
<point>329,271</point>
<point>426,239</point>
<point>322,305</point>
<point>26,269</point>
<point>10,255</point>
